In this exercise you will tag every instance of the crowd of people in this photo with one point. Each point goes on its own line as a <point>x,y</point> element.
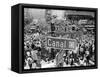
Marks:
<point>37,55</point>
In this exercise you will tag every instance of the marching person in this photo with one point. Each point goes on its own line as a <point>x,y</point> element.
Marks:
<point>28,60</point>
<point>34,56</point>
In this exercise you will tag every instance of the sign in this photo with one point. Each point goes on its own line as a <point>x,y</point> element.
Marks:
<point>62,26</point>
<point>61,43</point>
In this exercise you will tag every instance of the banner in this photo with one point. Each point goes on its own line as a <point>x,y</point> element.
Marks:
<point>59,57</point>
